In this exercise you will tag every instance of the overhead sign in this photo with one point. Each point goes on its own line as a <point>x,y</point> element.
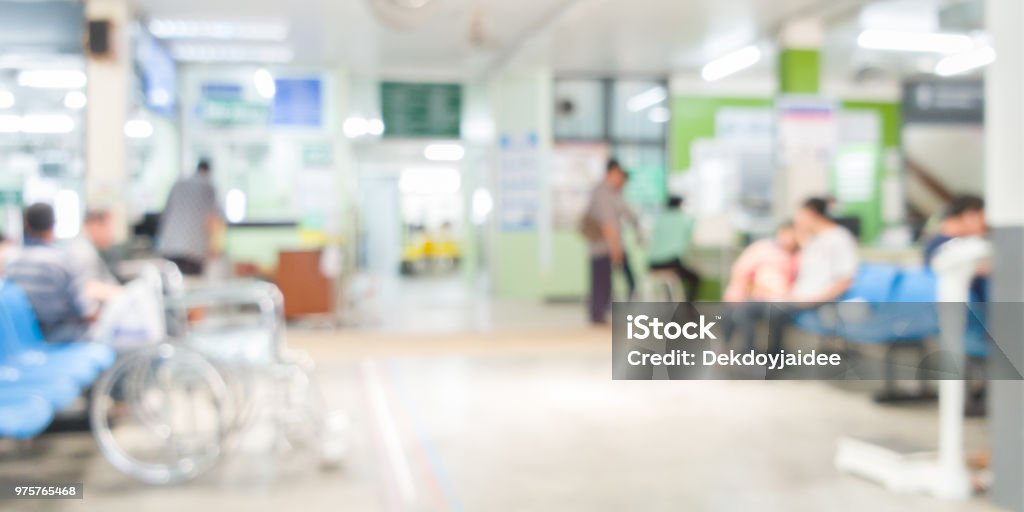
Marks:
<point>297,102</point>
<point>421,110</point>
<point>944,102</point>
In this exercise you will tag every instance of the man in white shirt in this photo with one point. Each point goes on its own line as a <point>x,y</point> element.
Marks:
<point>828,264</point>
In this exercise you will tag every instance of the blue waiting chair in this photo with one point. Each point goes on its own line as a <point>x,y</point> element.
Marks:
<point>59,390</point>
<point>22,343</point>
<point>23,416</point>
<point>873,283</point>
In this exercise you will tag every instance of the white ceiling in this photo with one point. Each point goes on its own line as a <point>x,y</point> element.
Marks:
<point>573,36</point>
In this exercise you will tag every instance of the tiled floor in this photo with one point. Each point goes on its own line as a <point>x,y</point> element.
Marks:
<point>482,413</point>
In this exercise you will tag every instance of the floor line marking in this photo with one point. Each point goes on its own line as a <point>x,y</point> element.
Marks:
<point>389,433</point>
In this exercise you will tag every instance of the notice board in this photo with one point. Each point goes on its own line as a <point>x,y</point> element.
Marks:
<point>421,110</point>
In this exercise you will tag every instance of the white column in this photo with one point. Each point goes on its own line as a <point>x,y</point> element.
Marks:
<point>1004,184</point>
<point>108,91</point>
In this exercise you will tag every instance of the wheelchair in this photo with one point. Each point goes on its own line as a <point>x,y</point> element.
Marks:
<point>168,413</point>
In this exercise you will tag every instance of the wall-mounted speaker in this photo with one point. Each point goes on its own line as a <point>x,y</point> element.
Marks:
<point>100,36</point>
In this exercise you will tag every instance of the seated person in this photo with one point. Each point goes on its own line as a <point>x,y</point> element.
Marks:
<point>964,217</point>
<point>50,280</point>
<point>763,273</point>
<point>86,251</point>
<point>828,264</point>
<point>766,269</point>
<point>670,239</point>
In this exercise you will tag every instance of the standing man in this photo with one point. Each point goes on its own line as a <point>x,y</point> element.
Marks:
<point>190,221</point>
<point>601,228</point>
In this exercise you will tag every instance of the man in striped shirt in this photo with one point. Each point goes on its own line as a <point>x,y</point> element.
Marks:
<point>54,286</point>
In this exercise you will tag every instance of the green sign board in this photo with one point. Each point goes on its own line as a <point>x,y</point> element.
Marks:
<point>421,110</point>
<point>10,197</point>
<point>233,112</point>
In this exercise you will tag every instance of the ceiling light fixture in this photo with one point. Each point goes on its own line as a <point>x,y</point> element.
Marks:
<point>192,52</point>
<point>731,64</point>
<point>930,42</point>
<point>47,123</point>
<point>967,61</point>
<point>52,78</point>
<point>355,126</point>
<point>444,152</point>
<point>75,100</point>
<point>647,99</point>
<point>222,30</point>
<point>138,129</point>
<point>264,83</point>
<point>6,99</point>
<point>10,124</point>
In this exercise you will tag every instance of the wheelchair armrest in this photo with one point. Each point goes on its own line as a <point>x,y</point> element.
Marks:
<point>172,283</point>
<point>266,297</point>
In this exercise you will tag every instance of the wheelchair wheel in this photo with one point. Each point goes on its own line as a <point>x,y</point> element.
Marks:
<point>160,414</point>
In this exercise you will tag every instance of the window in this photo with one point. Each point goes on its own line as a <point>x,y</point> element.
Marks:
<point>630,117</point>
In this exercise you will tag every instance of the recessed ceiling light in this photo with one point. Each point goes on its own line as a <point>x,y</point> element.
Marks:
<point>731,64</point>
<point>195,52</point>
<point>264,83</point>
<point>647,99</point>
<point>931,42</point>
<point>224,30</point>
<point>75,100</point>
<point>967,61</point>
<point>444,152</point>
<point>52,78</point>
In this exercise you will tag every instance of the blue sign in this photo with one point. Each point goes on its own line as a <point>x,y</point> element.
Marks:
<point>222,91</point>
<point>159,75</point>
<point>297,102</point>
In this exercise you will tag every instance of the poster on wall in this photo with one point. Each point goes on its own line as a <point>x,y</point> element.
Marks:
<point>806,140</point>
<point>576,169</point>
<point>519,180</point>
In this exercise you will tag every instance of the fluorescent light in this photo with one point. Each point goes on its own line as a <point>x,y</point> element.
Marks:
<point>52,78</point>
<point>430,181</point>
<point>647,99</point>
<point>138,129</point>
<point>483,203</point>
<point>931,42</point>
<point>967,61</point>
<point>234,205</point>
<point>444,152</point>
<point>658,115</point>
<point>731,64</point>
<point>10,124</point>
<point>375,127</point>
<point>264,83</point>
<point>75,100</point>
<point>192,52</point>
<point>355,126</point>
<point>159,97</point>
<point>47,123</point>
<point>223,30</point>
<point>67,210</point>
<point>6,99</point>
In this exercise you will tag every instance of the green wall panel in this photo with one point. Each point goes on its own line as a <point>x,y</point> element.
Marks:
<point>799,71</point>
<point>693,117</point>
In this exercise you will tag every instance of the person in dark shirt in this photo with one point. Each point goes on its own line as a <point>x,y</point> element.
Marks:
<point>964,217</point>
<point>48,275</point>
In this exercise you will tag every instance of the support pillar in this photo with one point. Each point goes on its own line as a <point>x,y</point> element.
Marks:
<point>1004,181</point>
<point>108,88</point>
